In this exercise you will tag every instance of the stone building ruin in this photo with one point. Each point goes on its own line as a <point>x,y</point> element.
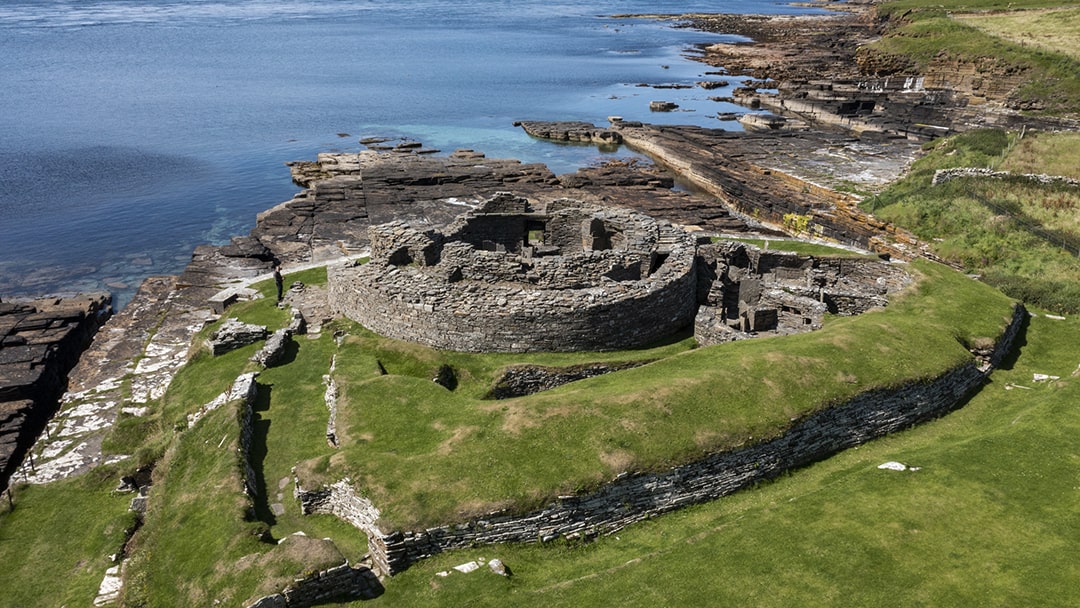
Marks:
<point>515,275</point>
<point>748,292</point>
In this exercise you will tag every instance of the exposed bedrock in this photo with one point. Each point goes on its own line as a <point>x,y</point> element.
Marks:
<point>40,342</point>
<point>756,175</point>
<point>821,69</point>
<point>345,193</point>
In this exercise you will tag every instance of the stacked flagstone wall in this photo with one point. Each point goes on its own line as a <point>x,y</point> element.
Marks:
<point>509,277</point>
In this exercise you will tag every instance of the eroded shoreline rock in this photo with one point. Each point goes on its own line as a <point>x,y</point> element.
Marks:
<point>40,342</point>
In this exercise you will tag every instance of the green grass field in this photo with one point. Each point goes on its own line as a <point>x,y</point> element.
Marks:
<point>1055,29</point>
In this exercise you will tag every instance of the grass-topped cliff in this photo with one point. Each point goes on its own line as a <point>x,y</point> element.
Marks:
<point>989,517</point>
<point>1032,44</point>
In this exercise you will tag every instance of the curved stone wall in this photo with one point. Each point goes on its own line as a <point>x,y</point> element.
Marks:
<point>509,277</point>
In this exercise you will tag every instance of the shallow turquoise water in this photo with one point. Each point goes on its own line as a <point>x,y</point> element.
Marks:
<point>133,130</point>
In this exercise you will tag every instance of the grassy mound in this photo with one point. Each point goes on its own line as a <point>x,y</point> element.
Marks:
<point>989,519</point>
<point>426,455</point>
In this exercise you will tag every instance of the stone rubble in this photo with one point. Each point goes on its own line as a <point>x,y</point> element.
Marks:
<point>234,334</point>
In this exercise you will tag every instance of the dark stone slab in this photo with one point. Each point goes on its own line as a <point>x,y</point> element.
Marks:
<point>41,342</point>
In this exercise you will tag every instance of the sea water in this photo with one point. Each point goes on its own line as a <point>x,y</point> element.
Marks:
<point>133,130</point>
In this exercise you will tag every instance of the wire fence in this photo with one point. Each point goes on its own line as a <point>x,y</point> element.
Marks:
<point>1068,242</point>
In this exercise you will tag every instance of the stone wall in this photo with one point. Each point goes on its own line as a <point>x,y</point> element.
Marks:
<point>635,497</point>
<point>521,380</point>
<point>337,583</point>
<point>563,278</point>
<point>345,503</point>
<point>746,291</point>
<point>248,390</point>
<point>942,176</point>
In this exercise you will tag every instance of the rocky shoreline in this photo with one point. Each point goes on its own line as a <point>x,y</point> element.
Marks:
<point>40,342</point>
<point>839,120</point>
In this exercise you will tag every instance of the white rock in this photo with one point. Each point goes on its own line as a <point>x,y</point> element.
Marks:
<point>467,568</point>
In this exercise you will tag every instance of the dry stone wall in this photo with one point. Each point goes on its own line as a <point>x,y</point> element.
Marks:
<point>942,176</point>
<point>746,291</point>
<point>510,278</point>
<point>521,380</point>
<point>632,498</point>
<point>337,583</point>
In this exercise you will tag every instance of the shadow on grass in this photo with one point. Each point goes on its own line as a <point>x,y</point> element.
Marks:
<point>292,349</point>
<point>260,430</point>
<point>675,338</point>
<point>1019,342</point>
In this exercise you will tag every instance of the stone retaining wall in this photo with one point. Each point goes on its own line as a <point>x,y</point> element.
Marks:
<point>632,498</point>
<point>339,582</point>
<point>521,380</point>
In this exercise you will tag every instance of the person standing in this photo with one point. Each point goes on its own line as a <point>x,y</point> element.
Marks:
<point>279,281</point>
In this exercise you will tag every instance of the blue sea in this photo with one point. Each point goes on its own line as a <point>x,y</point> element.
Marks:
<point>133,130</point>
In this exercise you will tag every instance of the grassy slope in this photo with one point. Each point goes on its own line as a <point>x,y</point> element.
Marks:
<point>925,32</point>
<point>63,534</point>
<point>985,225</point>
<point>425,455</point>
<point>1055,30</point>
<point>990,519</point>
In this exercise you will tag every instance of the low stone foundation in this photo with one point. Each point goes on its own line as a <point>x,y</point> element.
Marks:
<point>340,582</point>
<point>521,380</point>
<point>942,176</point>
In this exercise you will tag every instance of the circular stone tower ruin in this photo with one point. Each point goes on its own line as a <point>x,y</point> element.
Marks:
<point>511,276</point>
